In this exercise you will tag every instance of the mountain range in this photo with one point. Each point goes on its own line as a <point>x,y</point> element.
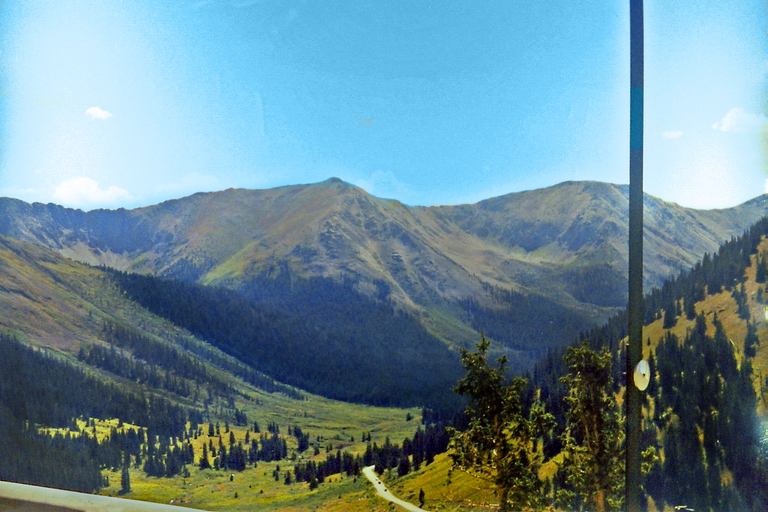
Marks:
<point>529,269</point>
<point>246,305</point>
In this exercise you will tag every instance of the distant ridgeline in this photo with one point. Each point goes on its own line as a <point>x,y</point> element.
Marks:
<point>322,336</point>
<point>700,408</point>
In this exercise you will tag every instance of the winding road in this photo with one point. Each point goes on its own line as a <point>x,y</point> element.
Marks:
<point>382,490</point>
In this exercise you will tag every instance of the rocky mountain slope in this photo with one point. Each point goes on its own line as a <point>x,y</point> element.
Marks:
<point>563,247</point>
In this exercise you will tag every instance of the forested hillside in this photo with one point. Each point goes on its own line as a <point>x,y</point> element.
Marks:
<point>701,407</point>
<point>317,334</point>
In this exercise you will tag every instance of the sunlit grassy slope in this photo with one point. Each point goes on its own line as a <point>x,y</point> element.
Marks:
<point>724,306</point>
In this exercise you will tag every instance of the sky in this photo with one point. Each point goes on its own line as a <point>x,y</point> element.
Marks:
<point>127,103</point>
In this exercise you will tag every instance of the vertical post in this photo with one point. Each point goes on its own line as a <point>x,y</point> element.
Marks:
<point>635,309</point>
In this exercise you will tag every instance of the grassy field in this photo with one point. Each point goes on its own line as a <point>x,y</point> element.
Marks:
<point>337,425</point>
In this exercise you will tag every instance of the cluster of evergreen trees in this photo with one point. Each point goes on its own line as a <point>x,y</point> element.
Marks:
<point>426,443</point>
<point>315,473</point>
<point>46,390</point>
<point>181,370</point>
<point>704,411</point>
<point>52,461</point>
<point>119,363</point>
<point>711,275</point>
<point>166,459</point>
<point>37,389</point>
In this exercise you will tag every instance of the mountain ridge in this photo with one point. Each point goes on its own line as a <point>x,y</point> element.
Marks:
<point>565,243</point>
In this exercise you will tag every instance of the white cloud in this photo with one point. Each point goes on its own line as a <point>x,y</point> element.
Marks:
<point>86,192</point>
<point>672,134</point>
<point>737,120</point>
<point>97,113</point>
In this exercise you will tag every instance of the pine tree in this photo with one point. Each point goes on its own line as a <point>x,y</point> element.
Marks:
<point>404,467</point>
<point>751,340</point>
<point>125,477</point>
<point>669,316</point>
<point>125,481</point>
<point>500,444</point>
<point>204,463</point>
<point>760,272</point>
<point>593,462</point>
<point>690,307</point>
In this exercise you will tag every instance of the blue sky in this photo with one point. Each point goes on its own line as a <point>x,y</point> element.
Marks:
<point>129,103</point>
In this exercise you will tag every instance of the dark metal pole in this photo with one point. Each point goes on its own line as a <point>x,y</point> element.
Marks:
<point>635,343</point>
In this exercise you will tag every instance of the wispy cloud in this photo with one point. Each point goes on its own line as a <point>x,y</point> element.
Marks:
<point>385,184</point>
<point>737,120</point>
<point>672,134</point>
<point>97,113</point>
<point>86,192</point>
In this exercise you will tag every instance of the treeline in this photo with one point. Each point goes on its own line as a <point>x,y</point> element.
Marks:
<point>315,473</point>
<point>411,455</point>
<point>316,334</point>
<point>157,353</point>
<point>180,368</point>
<point>46,390</point>
<point>118,363</point>
<point>723,270</point>
<point>528,322</point>
<point>37,389</point>
<point>421,450</point>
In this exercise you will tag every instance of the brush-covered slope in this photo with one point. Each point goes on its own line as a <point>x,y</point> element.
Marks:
<point>559,252</point>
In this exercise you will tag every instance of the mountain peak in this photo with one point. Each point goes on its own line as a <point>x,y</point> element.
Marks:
<point>334,182</point>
